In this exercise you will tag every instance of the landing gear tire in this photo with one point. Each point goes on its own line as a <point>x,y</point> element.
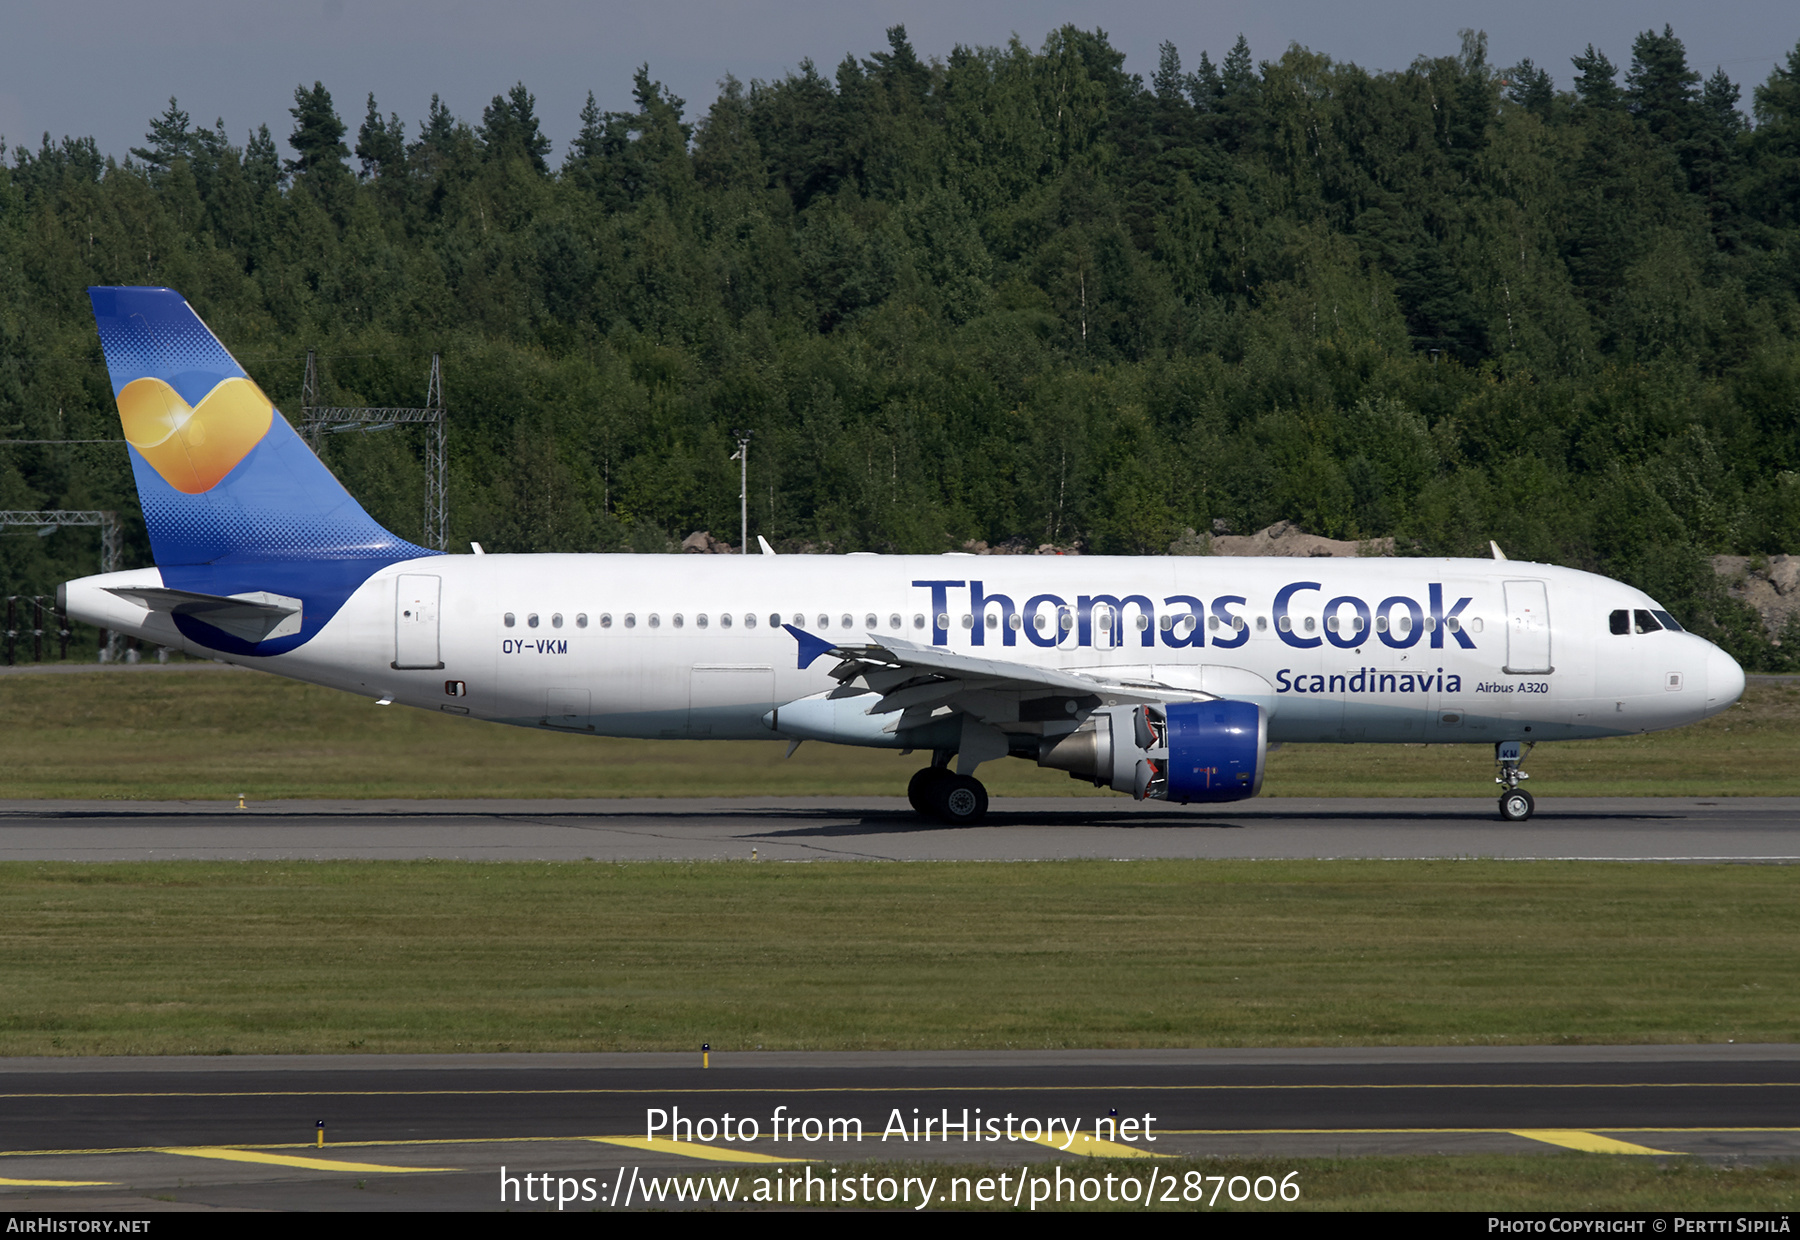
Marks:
<point>1517,805</point>
<point>921,792</point>
<point>961,801</point>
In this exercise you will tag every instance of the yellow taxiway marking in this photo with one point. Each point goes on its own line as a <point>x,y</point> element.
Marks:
<point>55,1183</point>
<point>1166,1132</point>
<point>1592,1142</point>
<point>1094,1147</point>
<point>284,1160</point>
<point>689,1149</point>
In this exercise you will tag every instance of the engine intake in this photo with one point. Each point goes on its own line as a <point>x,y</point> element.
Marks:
<point>1176,751</point>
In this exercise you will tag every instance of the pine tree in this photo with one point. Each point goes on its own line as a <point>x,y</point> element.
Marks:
<point>1660,88</point>
<point>381,145</point>
<point>318,136</point>
<point>1775,146</point>
<point>1168,83</point>
<point>590,141</point>
<point>509,129</point>
<point>1204,85</point>
<point>1530,87</point>
<point>262,162</point>
<point>1596,79</point>
<point>1239,76</point>
<point>169,140</point>
<point>1719,98</point>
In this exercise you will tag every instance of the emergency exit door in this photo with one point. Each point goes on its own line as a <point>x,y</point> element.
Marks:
<point>1527,628</point>
<point>416,621</point>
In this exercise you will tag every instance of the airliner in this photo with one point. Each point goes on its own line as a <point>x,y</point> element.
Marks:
<point>1165,678</point>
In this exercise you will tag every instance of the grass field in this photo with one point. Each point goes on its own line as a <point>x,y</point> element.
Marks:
<point>189,957</point>
<point>210,734</point>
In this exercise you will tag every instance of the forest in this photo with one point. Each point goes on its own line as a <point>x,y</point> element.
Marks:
<point>1000,294</point>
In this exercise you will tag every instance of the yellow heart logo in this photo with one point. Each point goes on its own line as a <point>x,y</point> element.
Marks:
<point>193,447</point>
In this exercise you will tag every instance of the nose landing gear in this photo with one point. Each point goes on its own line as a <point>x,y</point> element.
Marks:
<point>1516,804</point>
<point>937,792</point>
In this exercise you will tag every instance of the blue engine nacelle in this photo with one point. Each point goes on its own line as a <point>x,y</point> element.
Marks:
<point>1199,751</point>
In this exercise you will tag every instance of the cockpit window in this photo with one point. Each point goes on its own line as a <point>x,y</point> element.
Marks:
<point>1668,622</point>
<point>1620,622</point>
<point>1646,623</point>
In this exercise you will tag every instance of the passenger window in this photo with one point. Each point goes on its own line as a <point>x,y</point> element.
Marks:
<point>1646,623</point>
<point>1164,623</point>
<point>1014,622</point>
<point>508,620</point>
<point>581,620</point>
<point>630,620</point>
<point>847,622</point>
<point>1331,623</point>
<point>993,621</point>
<point>556,621</point>
<point>943,620</point>
<point>1453,624</point>
<point>1039,621</point>
<point>871,621</point>
<point>918,621</point>
<point>678,620</point>
<point>725,621</point>
<point>531,621</point>
<point>893,622</point>
<point>749,620</point>
<point>824,622</point>
<point>1066,619</point>
<point>699,620</point>
<point>1212,623</point>
<point>1309,624</point>
<point>1262,624</point>
<point>799,621</point>
<point>606,619</point>
<point>1620,623</point>
<point>1381,624</point>
<point>655,621</point>
<point>1475,624</point>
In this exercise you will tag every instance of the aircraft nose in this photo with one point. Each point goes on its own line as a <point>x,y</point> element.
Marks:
<point>1724,680</point>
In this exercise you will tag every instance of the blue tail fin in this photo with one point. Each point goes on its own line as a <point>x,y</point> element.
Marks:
<point>233,499</point>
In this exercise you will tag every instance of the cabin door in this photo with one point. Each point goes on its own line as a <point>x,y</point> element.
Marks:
<point>1527,629</point>
<point>416,621</point>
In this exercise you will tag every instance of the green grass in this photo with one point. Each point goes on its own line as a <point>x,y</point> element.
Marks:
<point>208,734</point>
<point>203,958</point>
<point>1466,1182</point>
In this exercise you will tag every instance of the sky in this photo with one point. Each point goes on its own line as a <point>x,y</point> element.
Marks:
<point>105,67</point>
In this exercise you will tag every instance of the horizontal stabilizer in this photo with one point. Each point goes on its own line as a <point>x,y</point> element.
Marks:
<point>254,617</point>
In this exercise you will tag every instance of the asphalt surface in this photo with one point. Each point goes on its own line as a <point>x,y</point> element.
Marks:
<point>434,1132</point>
<point>441,1132</point>
<point>1747,829</point>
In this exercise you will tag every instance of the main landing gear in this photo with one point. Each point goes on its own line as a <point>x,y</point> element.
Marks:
<point>1516,804</point>
<point>938,792</point>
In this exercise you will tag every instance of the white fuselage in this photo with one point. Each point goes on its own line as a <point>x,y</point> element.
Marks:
<point>1432,650</point>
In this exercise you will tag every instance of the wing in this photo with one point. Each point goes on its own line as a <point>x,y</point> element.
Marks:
<point>252,617</point>
<point>919,683</point>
